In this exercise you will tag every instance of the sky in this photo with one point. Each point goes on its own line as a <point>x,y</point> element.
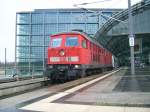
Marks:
<point>8,9</point>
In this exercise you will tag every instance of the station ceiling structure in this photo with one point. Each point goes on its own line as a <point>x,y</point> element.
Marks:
<point>113,35</point>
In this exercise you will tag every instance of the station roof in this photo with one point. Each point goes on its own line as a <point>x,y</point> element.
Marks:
<point>113,35</point>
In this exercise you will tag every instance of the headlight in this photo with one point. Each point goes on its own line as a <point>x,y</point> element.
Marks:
<point>62,53</point>
<point>76,66</point>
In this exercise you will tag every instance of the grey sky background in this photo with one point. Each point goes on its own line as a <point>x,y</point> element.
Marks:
<point>8,9</point>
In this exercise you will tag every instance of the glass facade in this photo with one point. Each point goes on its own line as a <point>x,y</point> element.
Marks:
<point>33,30</point>
<point>114,35</point>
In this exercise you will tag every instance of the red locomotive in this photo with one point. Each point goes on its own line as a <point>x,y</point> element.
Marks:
<point>75,54</point>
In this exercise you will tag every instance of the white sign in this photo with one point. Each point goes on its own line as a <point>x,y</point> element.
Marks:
<point>131,41</point>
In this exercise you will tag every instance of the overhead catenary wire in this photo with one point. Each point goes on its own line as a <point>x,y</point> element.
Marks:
<point>97,13</point>
<point>93,2</point>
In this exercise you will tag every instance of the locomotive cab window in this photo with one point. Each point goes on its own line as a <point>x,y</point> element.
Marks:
<point>71,41</point>
<point>56,42</point>
<point>84,45</point>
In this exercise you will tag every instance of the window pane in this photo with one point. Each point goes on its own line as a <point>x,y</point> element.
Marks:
<point>91,28</point>
<point>84,43</point>
<point>37,29</point>
<point>71,41</point>
<point>22,40</point>
<point>23,29</point>
<point>64,18</point>
<point>37,18</point>
<point>37,41</point>
<point>77,26</point>
<point>78,17</point>
<point>47,40</point>
<point>56,42</point>
<point>50,29</point>
<point>23,18</point>
<point>23,52</point>
<point>51,17</point>
<point>91,18</point>
<point>37,53</point>
<point>63,28</point>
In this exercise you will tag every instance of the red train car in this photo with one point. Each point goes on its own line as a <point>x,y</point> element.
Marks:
<point>75,54</point>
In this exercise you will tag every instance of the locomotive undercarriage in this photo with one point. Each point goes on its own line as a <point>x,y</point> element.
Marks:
<point>69,72</point>
<point>63,72</point>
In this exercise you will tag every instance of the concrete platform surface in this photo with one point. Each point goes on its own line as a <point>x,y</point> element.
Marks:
<point>72,100</point>
<point>119,89</point>
<point>56,107</point>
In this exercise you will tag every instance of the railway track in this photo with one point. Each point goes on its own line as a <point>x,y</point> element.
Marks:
<point>64,86</point>
<point>38,94</point>
<point>56,87</point>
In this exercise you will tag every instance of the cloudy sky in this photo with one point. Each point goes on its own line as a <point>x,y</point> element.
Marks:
<point>8,9</point>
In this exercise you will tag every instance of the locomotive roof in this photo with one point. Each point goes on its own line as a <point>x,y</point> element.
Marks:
<point>93,40</point>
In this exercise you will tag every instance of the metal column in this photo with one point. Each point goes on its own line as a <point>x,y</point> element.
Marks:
<point>15,67</point>
<point>43,42</point>
<point>5,61</point>
<point>30,44</point>
<point>131,38</point>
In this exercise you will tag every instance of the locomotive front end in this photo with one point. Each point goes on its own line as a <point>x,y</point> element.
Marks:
<point>63,57</point>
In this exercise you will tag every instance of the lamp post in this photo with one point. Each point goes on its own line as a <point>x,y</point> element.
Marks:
<point>5,61</point>
<point>131,38</point>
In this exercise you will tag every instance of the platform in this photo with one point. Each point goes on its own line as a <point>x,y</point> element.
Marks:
<point>114,92</point>
<point>104,95</point>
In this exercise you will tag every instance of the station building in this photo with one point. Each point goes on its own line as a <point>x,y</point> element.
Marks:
<point>33,30</point>
<point>114,35</point>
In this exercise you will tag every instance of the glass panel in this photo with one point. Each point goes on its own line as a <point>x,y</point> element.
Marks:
<point>91,28</point>
<point>37,41</point>
<point>37,18</point>
<point>23,18</point>
<point>64,18</point>
<point>63,27</point>
<point>84,44</point>
<point>71,41</point>
<point>37,29</point>
<point>47,40</point>
<point>23,29</point>
<point>46,49</point>
<point>78,17</point>
<point>51,29</point>
<point>23,52</point>
<point>51,17</point>
<point>56,42</point>
<point>91,18</point>
<point>23,60</point>
<point>37,53</point>
<point>22,40</point>
<point>77,26</point>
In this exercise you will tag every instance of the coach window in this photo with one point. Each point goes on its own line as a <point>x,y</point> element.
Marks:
<point>71,41</point>
<point>56,42</point>
<point>84,45</point>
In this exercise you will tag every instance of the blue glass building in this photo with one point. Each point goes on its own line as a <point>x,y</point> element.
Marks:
<point>33,30</point>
